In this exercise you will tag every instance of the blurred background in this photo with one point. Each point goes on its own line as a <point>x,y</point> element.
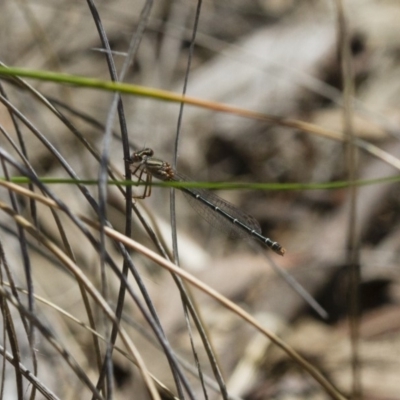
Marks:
<point>281,58</point>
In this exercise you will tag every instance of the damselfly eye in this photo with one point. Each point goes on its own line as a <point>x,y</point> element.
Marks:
<point>147,152</point>
<point>140,156</point>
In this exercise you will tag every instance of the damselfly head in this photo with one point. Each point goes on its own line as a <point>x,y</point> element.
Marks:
<point>146,152</point>
<point>140,156</point>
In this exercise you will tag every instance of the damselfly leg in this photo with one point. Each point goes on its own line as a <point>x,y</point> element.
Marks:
<point>138,169</point>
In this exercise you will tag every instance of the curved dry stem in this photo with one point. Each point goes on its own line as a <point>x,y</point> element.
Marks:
<point>45,391</point>
<point>81,277</point>
<point>87,327</point>
<point>328,386</point>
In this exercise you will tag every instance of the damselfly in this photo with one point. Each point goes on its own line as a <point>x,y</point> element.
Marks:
<point>214,209</point>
